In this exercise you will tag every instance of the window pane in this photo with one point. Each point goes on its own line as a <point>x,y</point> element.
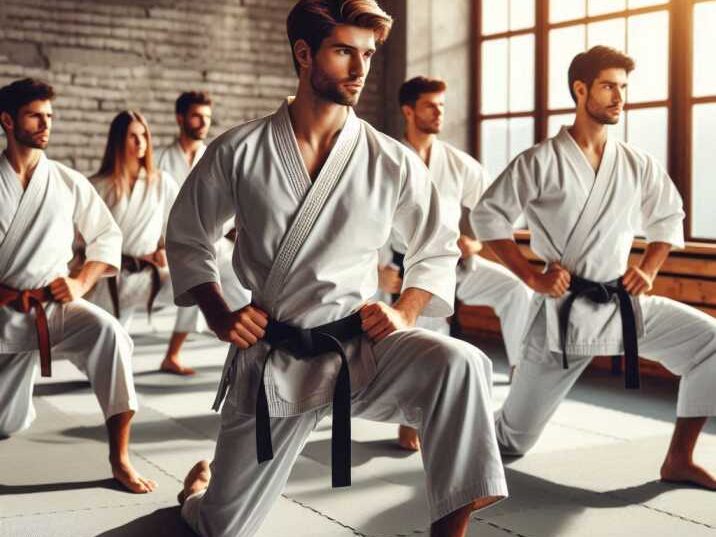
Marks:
<point>522,14</point>
<point>703,182</point>
<point>494,16</point>
<point>704,47</point>
<point>633,4</point>
<point>556,122</point>
<point>564,10</point>
<point>599,7</point>
<point>494,76</point>
<point>611,33</point>
<point>493,145</point>
<point>648,44</point>
<point>646,129</point>
<point>522,73</point>
<point>521,135</point>
<point>564,44</point>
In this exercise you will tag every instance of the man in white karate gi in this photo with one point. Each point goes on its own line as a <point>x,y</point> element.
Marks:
<point>584,195</point>
<point>42,314</point>
<point>193,111</point>
<point>460,180</point>
<point>315,193</point>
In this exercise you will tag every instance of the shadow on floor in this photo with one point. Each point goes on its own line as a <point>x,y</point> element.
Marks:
<point>192,428</point>
<point>166,522</point>
<point>110,484</point>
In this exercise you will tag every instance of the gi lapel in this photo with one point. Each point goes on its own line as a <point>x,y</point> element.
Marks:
<point>30,204</point>
<point>314,195</point>
<point>135,198</point>
<point>595,200</point>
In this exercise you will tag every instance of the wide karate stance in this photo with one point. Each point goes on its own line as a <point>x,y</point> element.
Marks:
<point>460,180</point>
<point>584,195</point>
<point>315,193</point>
<point>42,314</point>
<point>140,199</point>
<point>193,116</point>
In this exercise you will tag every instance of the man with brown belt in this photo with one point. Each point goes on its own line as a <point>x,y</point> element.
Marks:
<point>41,309</point>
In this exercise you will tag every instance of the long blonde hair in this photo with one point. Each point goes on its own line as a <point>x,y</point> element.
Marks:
<point>114,163</point>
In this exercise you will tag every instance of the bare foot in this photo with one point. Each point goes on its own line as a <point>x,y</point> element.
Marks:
<point>687,472</point>
<point>485,501</point>
<point>197,479</point>
<point>125,473</point>
<point>173,366</point>
<point>408,438</point>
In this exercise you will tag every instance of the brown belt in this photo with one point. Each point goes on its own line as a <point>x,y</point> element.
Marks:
<point>25,301</point>
<point>134,265</point>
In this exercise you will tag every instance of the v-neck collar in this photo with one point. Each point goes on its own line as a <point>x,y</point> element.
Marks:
<point>292,161</point>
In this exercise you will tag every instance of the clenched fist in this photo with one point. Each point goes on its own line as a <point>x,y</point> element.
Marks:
<point>67,289</point>
<point>554,282</point>
<point>379,320</point>
<point>636,281</point>
<point>243,327</point>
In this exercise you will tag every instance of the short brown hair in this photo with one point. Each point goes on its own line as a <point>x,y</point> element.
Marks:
<point>586,66</point>
<point>314,20</point>
<point>21,92</point>
<point>189,98</point>
<point>412,89</point>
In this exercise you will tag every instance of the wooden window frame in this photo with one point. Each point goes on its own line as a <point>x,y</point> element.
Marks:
<point>679,102</point>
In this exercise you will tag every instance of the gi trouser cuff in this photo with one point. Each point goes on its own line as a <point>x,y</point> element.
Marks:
<point>456,499</point>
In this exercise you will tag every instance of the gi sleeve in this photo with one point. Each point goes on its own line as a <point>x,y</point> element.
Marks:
<point>429,243</point>
<point>661,206</point>
<point>494,217</point>
<point>94,221</point>
<point>204,203</point>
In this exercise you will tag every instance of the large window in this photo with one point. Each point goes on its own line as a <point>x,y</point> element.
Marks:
<point>524,50</point>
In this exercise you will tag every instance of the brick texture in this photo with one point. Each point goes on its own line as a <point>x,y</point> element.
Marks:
<point>104,56</point>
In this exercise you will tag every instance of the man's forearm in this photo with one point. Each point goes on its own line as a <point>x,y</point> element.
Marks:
<point>412,302</point>
<point>654,257</point>
<point>210,300</point>
<point>90,273</point>
<point>510,254</point>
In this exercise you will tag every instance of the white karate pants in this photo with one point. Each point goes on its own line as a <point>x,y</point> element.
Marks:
<point>681,338</point>
<point>439,385</point>
<point>95,343</point>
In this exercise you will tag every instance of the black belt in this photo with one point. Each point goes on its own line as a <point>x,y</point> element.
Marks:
<point>304,344</point>
<point>134,265</point>
<point>602,293</point>
<point>398,261</point>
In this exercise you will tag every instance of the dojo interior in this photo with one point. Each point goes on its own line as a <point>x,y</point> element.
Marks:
<point>505,63</point>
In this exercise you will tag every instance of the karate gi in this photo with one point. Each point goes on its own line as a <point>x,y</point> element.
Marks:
<point>308,251</point>
<point>37,228</point>
<point>461,180</point>
<point>172,160</point>
<point>142,217</point>
<point>587,222</point>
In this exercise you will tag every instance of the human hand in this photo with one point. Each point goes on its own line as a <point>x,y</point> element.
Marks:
<point>244,327</point>
<point>378,320</point>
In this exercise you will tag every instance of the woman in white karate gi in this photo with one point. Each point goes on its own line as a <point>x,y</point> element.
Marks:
<point>140,198</point>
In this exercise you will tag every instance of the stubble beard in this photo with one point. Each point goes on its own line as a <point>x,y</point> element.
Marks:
<point>328,90</point>
<point>25,138</point>
<point>426,127</point>
<point>195,134</point>
<point>599,116</point>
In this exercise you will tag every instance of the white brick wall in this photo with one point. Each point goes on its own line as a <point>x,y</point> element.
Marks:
<point>103,56</point>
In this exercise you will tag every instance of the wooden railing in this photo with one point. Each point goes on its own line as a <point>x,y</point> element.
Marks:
<point>688,276</point>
